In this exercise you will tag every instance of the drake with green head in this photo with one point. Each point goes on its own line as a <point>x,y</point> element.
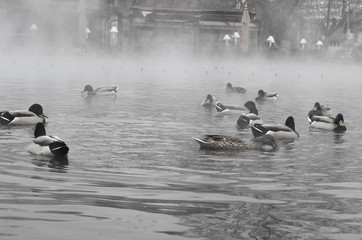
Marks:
<point>47,145</point>
<point>33,115</point>
<point>278,131</point>
<point>247,119</point>
<point>329,123</point>
<point>319,110</point>
<point>262,96</point>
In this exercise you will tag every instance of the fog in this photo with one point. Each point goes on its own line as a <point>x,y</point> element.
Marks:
<point>41,29</point>
<point>133,166</point>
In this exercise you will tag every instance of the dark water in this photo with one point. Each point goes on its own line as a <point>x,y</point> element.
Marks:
<point>135,172</point>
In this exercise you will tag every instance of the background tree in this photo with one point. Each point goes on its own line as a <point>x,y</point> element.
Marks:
<point>276,17</point>
<point>285,20</point>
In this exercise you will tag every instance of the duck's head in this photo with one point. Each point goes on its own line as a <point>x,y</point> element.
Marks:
<point>228,86</point>
<point>87,88</point>
<point>210,99</point>
<point>261,93</point>
<point>39,130</point>
<point>250,105</point>
<point>290,123</point>
<point>37,109</point>
<point>317,107</point>
<point>339,122</point>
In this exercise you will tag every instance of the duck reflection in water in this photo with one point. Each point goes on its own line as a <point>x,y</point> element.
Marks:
<point>57,162</point>
<point>338,138</point>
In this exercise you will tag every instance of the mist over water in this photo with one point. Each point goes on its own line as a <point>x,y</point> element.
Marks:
<point>135,172</point>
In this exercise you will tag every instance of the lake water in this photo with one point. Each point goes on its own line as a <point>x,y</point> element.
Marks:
<point>135,172</point>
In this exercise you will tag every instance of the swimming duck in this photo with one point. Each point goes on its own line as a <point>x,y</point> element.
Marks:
<point>47,145</point>
<point>230,88</point>
<point>221,142</point>
<point>262,96</point>
<point>227,110</point>
<point>33,115</point>
<point>328,123</point>
<point>319,110</point>
<point>278,131</point>
<point>88,89</point>
<point>247,119</point>
<point>211,102</point>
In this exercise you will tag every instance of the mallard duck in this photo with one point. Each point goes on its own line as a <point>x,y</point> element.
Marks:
<point>319,110</point>
<point>247,119</point>
<point>278,131</point>
<point>88,89</point>
<point>33,115</point>
<point>221,142</point>
<point>47,145</point>
<point>323,122</point>
<point>230,88</point>
<point>211,102</point>
<point>262,96</point>
<point>227,110</point>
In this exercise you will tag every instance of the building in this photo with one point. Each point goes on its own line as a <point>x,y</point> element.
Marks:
<point>118,26</point>
<point>197,31</point>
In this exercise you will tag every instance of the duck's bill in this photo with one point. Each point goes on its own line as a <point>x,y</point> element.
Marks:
<point>341,123</point>
<point>43,114</point>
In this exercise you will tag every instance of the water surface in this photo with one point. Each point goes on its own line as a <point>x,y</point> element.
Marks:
<point>134,171</point>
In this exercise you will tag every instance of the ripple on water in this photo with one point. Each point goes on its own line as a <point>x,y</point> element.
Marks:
<point>135,171</point>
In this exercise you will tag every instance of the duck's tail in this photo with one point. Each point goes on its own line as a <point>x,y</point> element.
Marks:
<point>6,118</point>
<point>258,130</point>
<point>220,107</point>
<point>59,148</point>
<point>243,121</point>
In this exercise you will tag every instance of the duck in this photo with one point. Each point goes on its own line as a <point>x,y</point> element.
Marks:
<point>262,96</point>
<point>211,101</point>
<point>329,123</point>
<point>319,110</point>
<point>222,142</point>
<point>278,131</point>
<point>247,119</point>
<point>47,145</point>
<point>33,115</point>
<point>230,88</point>
<point>88,89</point>
<point>227,110</point>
